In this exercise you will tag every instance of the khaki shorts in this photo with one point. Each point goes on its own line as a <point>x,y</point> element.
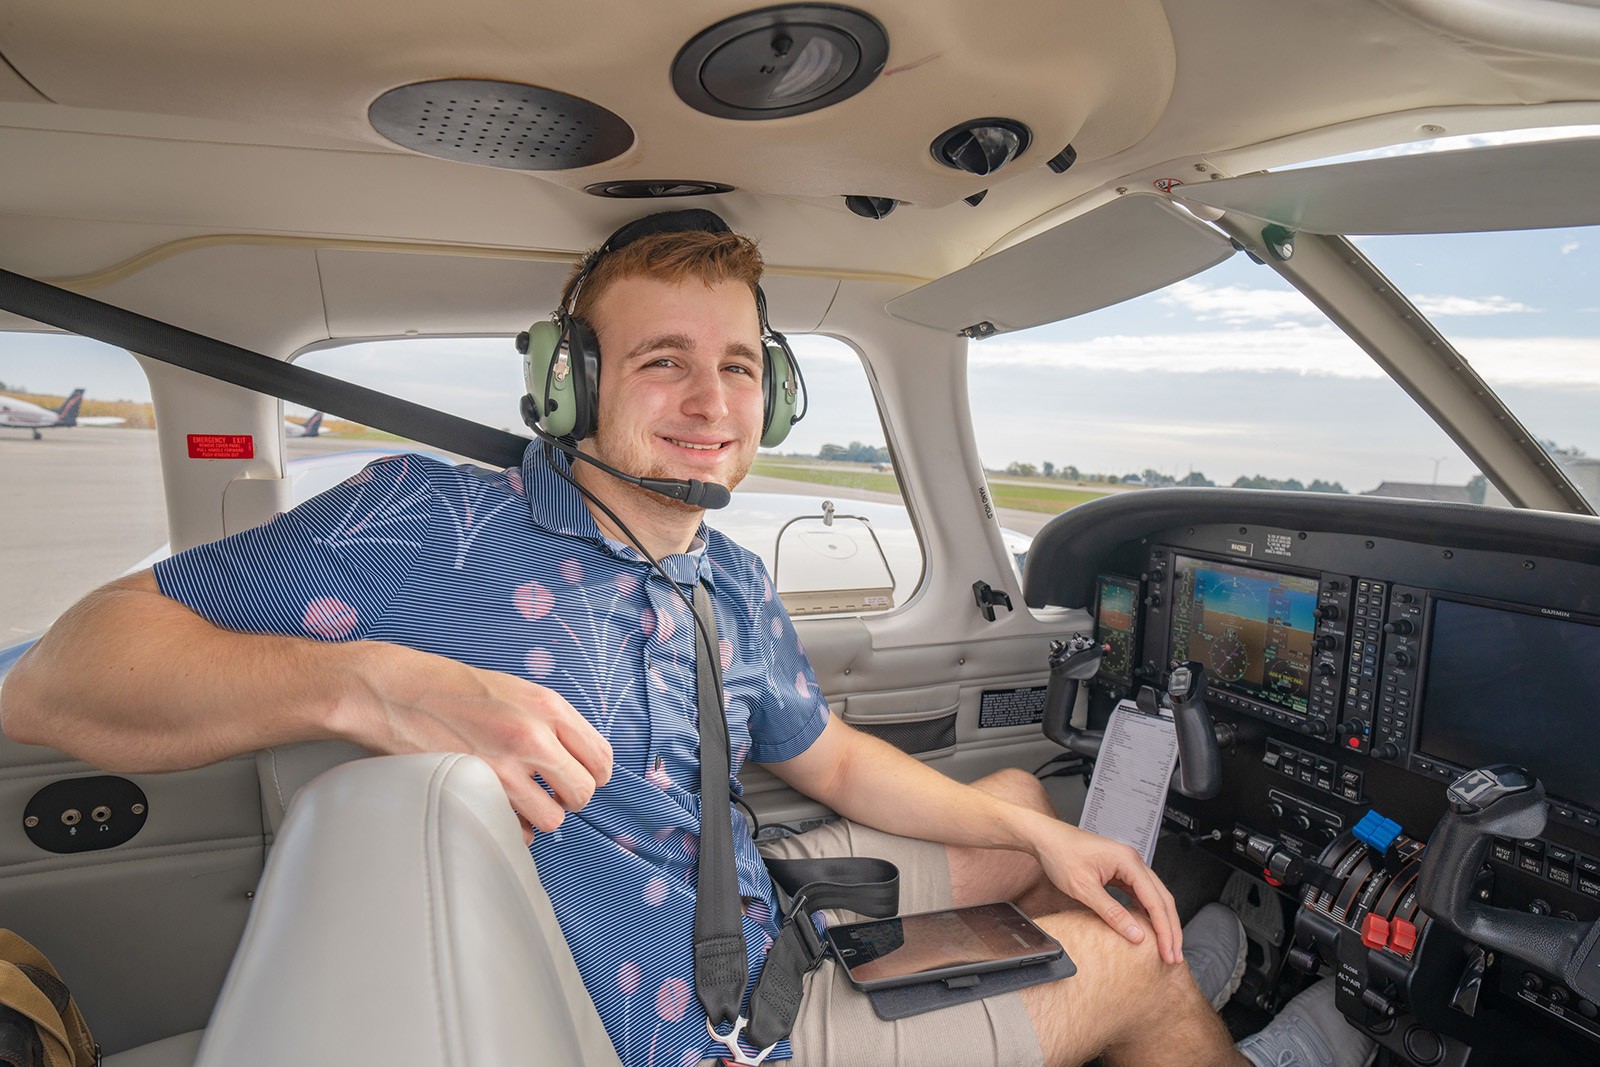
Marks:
<point>837,1025</point>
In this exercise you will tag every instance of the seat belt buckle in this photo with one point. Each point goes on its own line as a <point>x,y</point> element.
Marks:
<point>730,1041</point>
<point>799,914</point>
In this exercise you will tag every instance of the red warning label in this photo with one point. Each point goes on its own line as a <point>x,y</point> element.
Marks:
<point>222,446</point>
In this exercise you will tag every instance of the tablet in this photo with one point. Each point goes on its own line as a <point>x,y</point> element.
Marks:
<point>938,945</point>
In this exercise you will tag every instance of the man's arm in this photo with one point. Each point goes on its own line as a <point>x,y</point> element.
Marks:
<point>874,783</point>
<point>131,680</point>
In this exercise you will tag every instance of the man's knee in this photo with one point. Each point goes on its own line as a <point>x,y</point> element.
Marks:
<point>1018,787</point>
<point>1119,987</point>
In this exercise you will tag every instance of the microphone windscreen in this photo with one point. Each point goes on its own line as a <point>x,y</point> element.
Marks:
<point>711,495</point>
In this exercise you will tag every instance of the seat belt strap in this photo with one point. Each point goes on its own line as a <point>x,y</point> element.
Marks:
<point>721,962</point>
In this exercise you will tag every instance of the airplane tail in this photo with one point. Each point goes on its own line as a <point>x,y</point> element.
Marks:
<point>313,425</point>
<point>67,414</point>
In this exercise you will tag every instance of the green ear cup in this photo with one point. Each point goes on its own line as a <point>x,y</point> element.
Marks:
<point>551,389</point>
<point>782,396</point>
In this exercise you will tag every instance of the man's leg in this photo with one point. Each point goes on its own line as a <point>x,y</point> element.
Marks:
<point>979,875</point>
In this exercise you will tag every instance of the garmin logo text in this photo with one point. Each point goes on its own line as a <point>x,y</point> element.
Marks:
<point>1553,611</point>
<point>1243,548</point>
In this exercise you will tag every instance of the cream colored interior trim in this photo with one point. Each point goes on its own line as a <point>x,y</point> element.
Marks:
<point>129,267</point>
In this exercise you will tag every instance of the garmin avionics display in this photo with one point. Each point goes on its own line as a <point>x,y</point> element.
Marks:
<point>1116,615</point>
<point>1252,630</point>
<point>1493,673</point>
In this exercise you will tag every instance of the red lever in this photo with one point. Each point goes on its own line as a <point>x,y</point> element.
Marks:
<point>1402,936</point>
<point>1375,931</point>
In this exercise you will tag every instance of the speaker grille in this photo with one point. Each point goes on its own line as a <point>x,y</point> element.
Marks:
<point>500,124</point>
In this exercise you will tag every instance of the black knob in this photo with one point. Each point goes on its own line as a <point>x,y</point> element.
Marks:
<point>1398,658</point>
<point>1276,809</point>
<point>1302,959</point>
<point>1301,821</point>
<point>1399,626</point>
<point>1317,727</point>
<point>1539,907</point>
<point>1558,995</point>
<point>1333,585</point>
<point>1327,641</point>
<point>1532,982</point>
<point>1152,577</point>
<point>1153,599</point>
<point>1324,669</point>
<point>1387,750</point>
<point>1328,611</point>
<point>1405,598</point>
<point>1377,1002</point>
<point>1353,727</point>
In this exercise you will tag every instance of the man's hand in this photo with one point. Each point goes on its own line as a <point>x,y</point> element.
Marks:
<point>1081,864</point>
<point>548,757</point>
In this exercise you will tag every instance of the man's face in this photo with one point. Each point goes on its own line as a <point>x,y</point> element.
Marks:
<point>680,379</point>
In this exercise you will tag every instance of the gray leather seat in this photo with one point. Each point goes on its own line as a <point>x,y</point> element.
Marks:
<point>399,921</point>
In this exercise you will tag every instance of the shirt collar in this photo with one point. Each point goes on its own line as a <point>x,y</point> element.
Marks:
<point>556,506</point>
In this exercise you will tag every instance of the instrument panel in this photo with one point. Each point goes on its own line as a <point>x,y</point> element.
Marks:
<point>1360,674</point>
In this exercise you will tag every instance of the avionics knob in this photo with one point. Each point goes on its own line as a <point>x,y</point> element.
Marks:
<point>1317,727</point>
<point>1532,982</point>
<point>1399,626</point>
<point>1327,641</point>
<point>1325,668</point>
<point>1301,821</point>
<point>1539,907</point>
<point>1153,599</point>
<point>1353,727</point>
<point>1405,598</point>
<point>1276,809</point>
<point>1387,750</point>
<point>1398,658</point>
<point>1328,611</point>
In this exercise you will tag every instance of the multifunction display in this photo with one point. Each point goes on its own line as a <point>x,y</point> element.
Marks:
<point>1253,630</point>
<point>1515,686</point>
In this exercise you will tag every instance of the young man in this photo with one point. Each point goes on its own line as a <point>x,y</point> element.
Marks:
<point>421,608</point>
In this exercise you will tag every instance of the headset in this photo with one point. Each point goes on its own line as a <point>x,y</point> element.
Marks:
<point>561,355</point>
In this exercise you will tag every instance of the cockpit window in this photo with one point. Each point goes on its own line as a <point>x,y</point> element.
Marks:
<point>1523,309</point>
<point>1230,378</point>
<point>83,501</point>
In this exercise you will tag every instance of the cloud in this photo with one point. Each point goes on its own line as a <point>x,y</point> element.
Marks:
<point>1571,247</point>
<point>1466,305</point>
<point>1236,304</point>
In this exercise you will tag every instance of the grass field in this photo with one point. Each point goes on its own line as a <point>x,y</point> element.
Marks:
<point>1038,496</point>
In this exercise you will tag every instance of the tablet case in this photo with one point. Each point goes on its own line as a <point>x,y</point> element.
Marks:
<point>907,1000</point>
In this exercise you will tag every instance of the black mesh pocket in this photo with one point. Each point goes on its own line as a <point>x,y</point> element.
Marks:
<point>924,735</point>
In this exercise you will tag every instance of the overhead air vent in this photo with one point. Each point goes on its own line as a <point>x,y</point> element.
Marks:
<point>871,207</point>
<point>500,124</point>
<point>780,61</point>
<point>981,146</point>
<point>648,190</point>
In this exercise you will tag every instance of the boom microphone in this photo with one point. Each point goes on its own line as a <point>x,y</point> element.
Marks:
<point>691,491</point>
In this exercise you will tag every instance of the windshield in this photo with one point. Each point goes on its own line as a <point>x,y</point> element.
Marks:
<point>1523,308</point>
<point>1230,378</point>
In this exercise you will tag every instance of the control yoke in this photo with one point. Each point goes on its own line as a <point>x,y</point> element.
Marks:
<point>1507,801</point>
<point>1199,772</point>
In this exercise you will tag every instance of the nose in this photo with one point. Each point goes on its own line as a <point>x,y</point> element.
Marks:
<point>706,396</point>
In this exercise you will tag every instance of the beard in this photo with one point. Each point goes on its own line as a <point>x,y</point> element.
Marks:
<point>630,461</point>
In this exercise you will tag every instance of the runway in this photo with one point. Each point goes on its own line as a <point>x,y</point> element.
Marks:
<point>85,504</point>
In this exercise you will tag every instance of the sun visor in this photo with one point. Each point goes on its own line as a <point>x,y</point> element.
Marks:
<point>1134,245</point>
<point>1530,186</point>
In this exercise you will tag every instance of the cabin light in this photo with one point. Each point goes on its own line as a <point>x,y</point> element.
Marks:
<point>644,189</point>
<point>981,146</point>
<point>780,61</point>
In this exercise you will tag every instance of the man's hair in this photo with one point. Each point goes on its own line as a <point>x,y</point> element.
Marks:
<point>711,258</point>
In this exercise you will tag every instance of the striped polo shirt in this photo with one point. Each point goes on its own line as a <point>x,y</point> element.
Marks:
<point>507,571</point>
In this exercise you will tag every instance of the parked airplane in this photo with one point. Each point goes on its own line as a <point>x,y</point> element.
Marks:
<point>310,428</point>
<point>19,414</point>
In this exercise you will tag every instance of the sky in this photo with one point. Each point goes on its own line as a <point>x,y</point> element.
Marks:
<point>1231,373</point>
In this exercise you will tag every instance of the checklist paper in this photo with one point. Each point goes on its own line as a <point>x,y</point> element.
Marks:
<point>1129,788</point>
